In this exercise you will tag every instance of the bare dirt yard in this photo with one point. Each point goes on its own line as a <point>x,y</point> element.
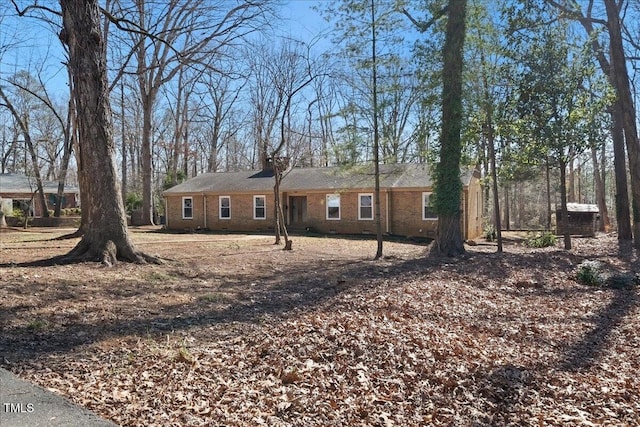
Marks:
<point>233,331</point>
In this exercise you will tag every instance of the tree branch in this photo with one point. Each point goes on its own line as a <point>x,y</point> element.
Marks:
<point>423,26</point>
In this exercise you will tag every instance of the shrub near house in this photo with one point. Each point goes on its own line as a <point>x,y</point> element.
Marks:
<point>327,200</point>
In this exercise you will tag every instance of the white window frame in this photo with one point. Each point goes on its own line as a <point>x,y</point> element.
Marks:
<point>426,196</point>
<point>220,199</point>
<point>264,206</point>
<point>360,206</point>
<point>184,208</point>
<point>333,196</point>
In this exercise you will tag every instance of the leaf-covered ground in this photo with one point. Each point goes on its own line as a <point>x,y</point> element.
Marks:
<point>234,331</point>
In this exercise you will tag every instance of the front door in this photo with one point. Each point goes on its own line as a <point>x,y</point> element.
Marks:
<point>298,210</point>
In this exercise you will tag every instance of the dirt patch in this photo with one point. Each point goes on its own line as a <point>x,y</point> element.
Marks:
<point>234,331</point>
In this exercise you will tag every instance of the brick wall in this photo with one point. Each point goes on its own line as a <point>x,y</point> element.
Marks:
<point>348,222</point>
<point>173,212</point>
<point>241,213</point>
<point>405,218</point>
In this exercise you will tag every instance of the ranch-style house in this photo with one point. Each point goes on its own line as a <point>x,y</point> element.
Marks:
<point>332,200</point>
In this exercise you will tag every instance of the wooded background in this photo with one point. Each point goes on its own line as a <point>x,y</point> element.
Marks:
<point>207,86</point>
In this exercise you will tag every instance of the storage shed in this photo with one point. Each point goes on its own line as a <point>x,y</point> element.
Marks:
<point>582,219</point>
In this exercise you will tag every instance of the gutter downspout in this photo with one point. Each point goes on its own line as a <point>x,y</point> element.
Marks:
<point>204,204</point>
<point>166,212</point>
<point>388,208</point>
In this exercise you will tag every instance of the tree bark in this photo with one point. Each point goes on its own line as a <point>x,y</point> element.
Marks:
<point>105,235</point>
<point>620,79</point>
<point>494,179</point>
<point>564,213</point>
<point>376,135</point>
<point>448,191</point>
<point>617,132</point>
<point>600,192</point>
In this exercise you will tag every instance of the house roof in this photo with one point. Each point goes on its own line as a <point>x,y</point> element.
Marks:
<point>17,183</point>
<point>407,175</point>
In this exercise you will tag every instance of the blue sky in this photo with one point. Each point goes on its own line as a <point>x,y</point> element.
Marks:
<point>34,45</point>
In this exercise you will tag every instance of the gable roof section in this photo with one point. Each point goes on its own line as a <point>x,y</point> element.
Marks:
<point>406,175</point>
<point>17,183</point>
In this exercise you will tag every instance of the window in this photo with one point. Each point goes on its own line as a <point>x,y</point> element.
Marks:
<point>225,207</point>
<point>427,210</point>
<point>365,206</point>
<point>259,207</point>
<point>333,206</point>
<point>187,208</point>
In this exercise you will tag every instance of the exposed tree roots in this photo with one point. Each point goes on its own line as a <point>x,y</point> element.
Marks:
<point>107,253</point>
<point>77,233</point>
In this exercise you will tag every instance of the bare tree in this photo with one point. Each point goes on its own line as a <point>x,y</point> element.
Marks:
<point>23,122</point>
<point>279,75</point>
<point>623,113</point>
<point>105,237</point>
<point>167,37</point>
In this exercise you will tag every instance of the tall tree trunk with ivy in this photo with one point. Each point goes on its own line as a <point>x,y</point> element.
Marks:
<point>447,183</point>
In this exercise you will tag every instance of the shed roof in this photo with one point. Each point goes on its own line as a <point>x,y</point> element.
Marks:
<point>406,175</point>
<point>582,207</point>
<point>18,183</point>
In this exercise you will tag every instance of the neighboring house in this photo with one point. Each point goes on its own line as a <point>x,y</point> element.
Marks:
<point>582,219</point>
<point>326,200</point>
<point>17,190</point>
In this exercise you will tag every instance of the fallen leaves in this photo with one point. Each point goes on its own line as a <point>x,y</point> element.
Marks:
<point>486,340</point>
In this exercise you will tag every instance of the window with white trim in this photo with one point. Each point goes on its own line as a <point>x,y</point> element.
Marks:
<point>259,207</point>
<point>427,210</point>
<point>187,208</point>
<point>333,206</point>
<point>365,206</point>
<point>225,207</point>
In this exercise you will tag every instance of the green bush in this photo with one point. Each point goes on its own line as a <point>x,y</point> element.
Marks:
<point>489,233</point>
<point>133,202</point>
<point>540,240</point>
<point>590,273</point>
<point>594,273</point>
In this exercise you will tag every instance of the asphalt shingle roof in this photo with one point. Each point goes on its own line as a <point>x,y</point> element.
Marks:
<point>407,175</point>
<point>17,183</point>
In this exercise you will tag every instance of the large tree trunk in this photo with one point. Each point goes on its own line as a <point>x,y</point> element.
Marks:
<point>564,213</point>
<point>494,178</point>
<point>69,136</point>
<point>617,132</point>
<point>620,79</point>
<point>623,212</point>
<point>600,192</point>
<point>147,185</point>
<point>447,184</point>
<point>105,235</point>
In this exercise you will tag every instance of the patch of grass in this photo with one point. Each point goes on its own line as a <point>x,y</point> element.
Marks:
<point>158,276</point>
<point>183,355</point>
<point>233,245</point>
<point>217,298</point>
<point>540,240</point>
<point>37,325</point>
